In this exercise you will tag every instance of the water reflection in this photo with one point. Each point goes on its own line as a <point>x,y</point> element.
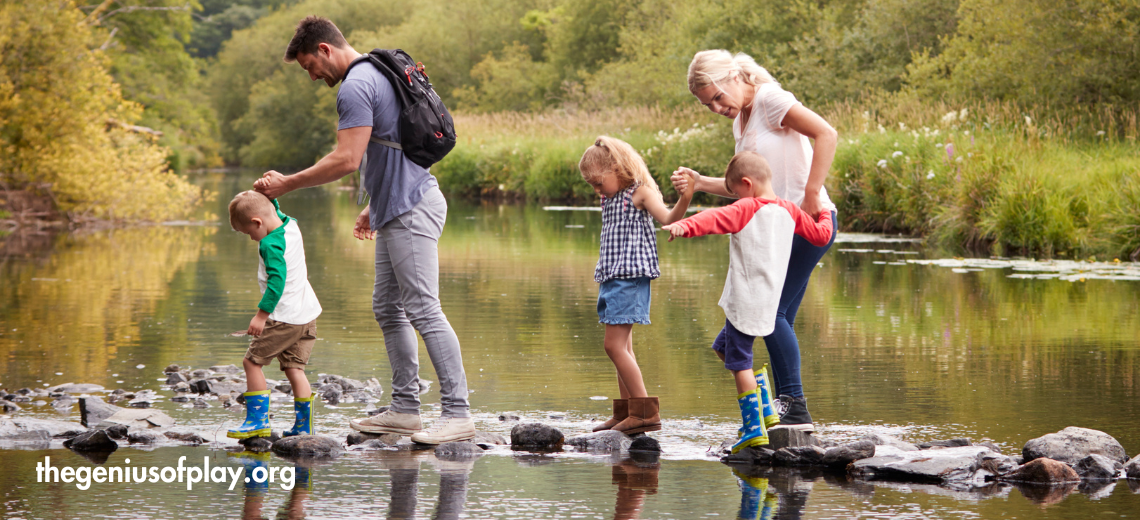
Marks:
<point>257,467</point>
<point>636,478</point>
<point>404,471</point>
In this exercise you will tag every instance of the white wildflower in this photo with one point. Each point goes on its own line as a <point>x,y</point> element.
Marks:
<point>882,163</point>
<point>866,115</point>
<point>958,159</point>
<point>1028,121</point>
<point>930,175</point>
<point>1100,133</point>
<point>967,132</point>
<point>950,117</point>
<point>902,126</point>
<point>896,154</point>
<point>962,114</point>
<point>882,130</point>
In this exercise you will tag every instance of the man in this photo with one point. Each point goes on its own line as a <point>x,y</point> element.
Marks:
<point>405,216</point>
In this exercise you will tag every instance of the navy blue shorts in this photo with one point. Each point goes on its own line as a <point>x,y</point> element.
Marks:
<point>736,347</point>
<point>623,301</point>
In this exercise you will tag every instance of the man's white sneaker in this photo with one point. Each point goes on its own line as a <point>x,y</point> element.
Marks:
<point>447,429</point>
<point>389,422</point>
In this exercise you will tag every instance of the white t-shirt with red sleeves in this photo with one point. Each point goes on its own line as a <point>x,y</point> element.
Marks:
<point>759,248</point>
<point>787,151</point>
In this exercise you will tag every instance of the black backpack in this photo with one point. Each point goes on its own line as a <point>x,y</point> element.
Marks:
<point>427,132</point>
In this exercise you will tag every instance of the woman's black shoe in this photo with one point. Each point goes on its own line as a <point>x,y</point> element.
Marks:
<point>794,414</point>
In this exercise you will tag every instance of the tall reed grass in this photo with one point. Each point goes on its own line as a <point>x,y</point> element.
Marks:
<point>985,176</point>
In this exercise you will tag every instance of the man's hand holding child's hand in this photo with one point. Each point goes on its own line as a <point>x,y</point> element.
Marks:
<point>257,324</point>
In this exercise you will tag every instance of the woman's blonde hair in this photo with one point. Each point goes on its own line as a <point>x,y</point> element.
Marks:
<point>717,66</point>
<point>610,155</point>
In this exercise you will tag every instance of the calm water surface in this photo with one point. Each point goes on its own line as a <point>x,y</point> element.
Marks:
<point>919,351</point>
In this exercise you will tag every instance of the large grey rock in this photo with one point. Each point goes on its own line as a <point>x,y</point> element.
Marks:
<point>1073,444</point>
<point>94,440</point>
<point>882,439</point>
<point>1041,471</point>
<point>536,436</point>
<point>76,388</point>
<point>848,453</point>
<point>21,429</point>
<point>789,437</point>
<point>1132,468</point>
<point>306,446</point>
<point>331,393</point>
<point>174,378</point>
<point>137,418</point>
<point>645,443</point>
<point>93,410</point>
<point>604,441</point>
<point>8,406</point>
<point>257,444</point>
<point>1098,467</point>
<point>462,450</point>
<point>143,437</point>
<point>966,463</point>
<point>346,384</point>
<point>190,438</point>
<point>118,432</point>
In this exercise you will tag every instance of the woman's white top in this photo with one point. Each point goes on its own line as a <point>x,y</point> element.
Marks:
<point>787,151</point>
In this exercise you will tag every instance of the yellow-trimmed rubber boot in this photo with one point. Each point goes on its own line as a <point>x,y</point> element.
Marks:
<point>303,425</point>
<point>767,399</point>
<point>256,417</point>
<point>754,432</point>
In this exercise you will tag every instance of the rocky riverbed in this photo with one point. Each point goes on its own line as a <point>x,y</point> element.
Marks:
<point>94,422</point>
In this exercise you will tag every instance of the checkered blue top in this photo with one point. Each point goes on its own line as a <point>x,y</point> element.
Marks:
<point>629,241</point>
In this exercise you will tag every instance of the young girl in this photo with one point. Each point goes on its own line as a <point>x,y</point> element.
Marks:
<point>626,263</point>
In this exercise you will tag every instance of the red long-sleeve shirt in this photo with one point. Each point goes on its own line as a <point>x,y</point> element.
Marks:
<point>732,218</point>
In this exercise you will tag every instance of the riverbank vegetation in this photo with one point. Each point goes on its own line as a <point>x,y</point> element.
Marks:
<point>1039,156</point>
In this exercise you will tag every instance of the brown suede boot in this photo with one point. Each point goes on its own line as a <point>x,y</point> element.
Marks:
<point>621,411</point>
<point>643,417</point>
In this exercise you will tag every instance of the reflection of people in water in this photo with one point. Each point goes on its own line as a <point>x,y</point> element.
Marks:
<point>755,501</point>
<point>635,478</point>
<point>294,508</point>
<point>404,470</point>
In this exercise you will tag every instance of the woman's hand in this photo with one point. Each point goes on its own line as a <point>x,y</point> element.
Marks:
<point>682,178</point>
<point>363,229</point>
<point>272,184</point>
<point>811,204</point>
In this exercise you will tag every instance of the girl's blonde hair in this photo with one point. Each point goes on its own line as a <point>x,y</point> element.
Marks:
<point>717,66</point>
<point>609,155</point>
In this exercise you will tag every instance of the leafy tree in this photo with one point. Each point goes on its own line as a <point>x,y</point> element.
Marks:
<point>220,18</point>
<point>65,127</point>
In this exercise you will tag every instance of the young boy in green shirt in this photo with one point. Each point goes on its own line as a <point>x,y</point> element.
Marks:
<point>285,324</point>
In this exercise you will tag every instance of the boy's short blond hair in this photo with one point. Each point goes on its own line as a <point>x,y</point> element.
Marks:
<point>748,164</point>
<point>247,205</point>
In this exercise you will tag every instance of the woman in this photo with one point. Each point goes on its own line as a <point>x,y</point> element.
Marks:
<point>768,120</point>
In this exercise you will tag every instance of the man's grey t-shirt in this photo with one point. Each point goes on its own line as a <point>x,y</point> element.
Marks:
<point>395,183</point>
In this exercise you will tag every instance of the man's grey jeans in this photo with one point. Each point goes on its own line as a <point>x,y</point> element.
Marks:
<point>406,299</point>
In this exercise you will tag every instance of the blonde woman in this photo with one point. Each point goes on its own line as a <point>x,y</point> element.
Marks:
<point>769,121</point>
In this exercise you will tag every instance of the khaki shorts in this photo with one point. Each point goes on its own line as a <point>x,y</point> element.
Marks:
<point>290,344</point>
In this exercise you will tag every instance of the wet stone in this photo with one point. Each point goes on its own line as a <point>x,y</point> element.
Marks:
<point>200,373</point>
<point>755,456</point>
<point>331,393</point>
<point>118,432</point>
<point>174,378</point>
<point>226,369</point>
<point>9,407</point>
<point>462,450</point>
<point>1132,468</point>
<point>1041,471</point>
<point>1073,444</point>
<point>70,434</point>
<point>848,453</point>
<point>257,444</point>
<point>76,388</point>
<point>949,443</point>
<point>377,411</point>
<point>489,438</point>
<point>308,446</point>
<point>387,439</point>
<point>93,410</point>
<point>189,438</point>
<point>93,440</point>
<point>1098,467</point>
<point>645,443</point>
<point>143,437</point>
<point>606,440</point>
<point>536,436</point>
<point>508,417</point>
<point>171,368</point>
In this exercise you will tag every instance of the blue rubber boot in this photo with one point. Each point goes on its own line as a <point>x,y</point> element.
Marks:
<point>754,432</point>
<point>769,507</point>
<point>767,402</point>
<point>303,425</point>
<point>256,417</point>
<point>753,494</point>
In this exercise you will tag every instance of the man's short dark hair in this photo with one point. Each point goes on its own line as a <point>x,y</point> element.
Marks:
<point>311,32</point>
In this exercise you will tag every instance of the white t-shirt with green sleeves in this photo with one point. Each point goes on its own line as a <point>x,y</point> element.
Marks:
<point>283,276</point>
